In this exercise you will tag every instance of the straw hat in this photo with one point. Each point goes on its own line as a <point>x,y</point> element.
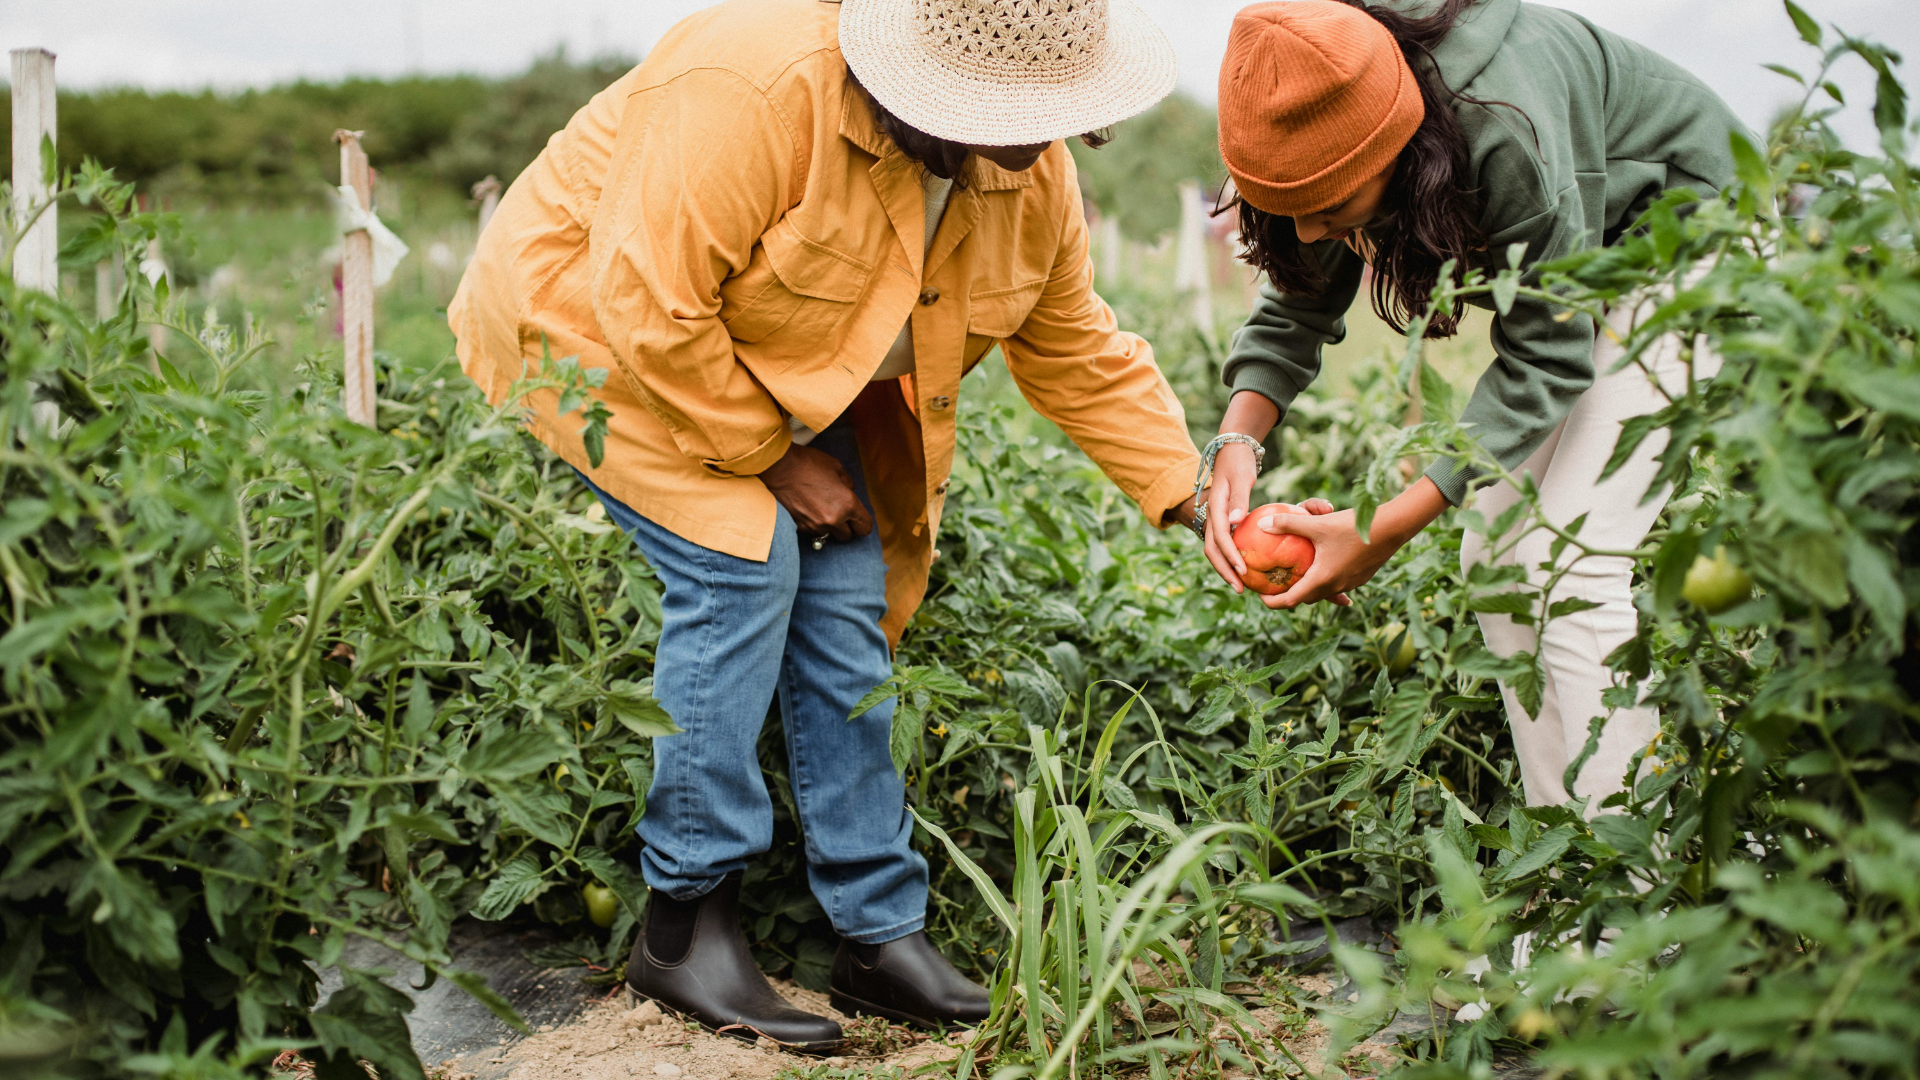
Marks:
<point>1007,72</point>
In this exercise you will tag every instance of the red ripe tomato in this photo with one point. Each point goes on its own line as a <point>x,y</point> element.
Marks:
<point>1274,562</point>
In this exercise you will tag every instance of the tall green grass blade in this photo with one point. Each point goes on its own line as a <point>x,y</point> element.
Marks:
<point>1026,886</point>
<point>981,882</point>
<point>1067,951</point>
<point>1134,923</point>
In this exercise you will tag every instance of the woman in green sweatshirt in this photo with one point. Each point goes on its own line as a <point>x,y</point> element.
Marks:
<point>1365,136</point>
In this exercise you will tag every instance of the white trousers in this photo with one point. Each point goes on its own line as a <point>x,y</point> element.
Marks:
<point>1573,648</point>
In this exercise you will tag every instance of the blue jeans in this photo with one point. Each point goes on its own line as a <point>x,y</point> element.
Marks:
<point>804,625</point>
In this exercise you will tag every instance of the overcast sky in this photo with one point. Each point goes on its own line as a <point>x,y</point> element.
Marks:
<point>233,43</point>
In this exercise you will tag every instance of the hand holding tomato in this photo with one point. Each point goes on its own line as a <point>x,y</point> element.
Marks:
<point>1342,561</point>
<point>1247,557</point>
<point>1273,561</point>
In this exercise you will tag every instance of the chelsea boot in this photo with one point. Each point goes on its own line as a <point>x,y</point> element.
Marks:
<point>905,980</point>
<point>693,960</point>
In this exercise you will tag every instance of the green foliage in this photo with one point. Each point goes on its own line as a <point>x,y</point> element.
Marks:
<point>1137,175</point>
<point>272,680</point>
<point>501,131</point>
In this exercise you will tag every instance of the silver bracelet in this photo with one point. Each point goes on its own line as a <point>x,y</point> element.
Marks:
<point>1205,476</point>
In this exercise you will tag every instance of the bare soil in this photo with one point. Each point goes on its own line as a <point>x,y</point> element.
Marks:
<point>617,1040</point>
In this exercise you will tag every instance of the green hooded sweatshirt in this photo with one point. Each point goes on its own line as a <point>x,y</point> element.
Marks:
<point>1616,125</point>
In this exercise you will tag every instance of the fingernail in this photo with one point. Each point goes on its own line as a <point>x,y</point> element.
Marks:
<point>1267,522</point>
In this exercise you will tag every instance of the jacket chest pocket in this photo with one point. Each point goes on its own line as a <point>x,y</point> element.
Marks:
<point>996,314</point>
<point>795,288</point>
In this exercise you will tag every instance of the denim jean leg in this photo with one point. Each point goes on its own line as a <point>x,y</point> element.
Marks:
<point>724,623</point>
<point>860,860</point>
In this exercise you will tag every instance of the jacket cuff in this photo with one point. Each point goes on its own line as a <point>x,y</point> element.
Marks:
<point>1168,491</point>
<point>1453,478</point>
<point>755,461</point>
<point>1264,379</point>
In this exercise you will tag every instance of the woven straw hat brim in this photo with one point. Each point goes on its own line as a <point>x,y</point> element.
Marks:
<point>882,41</point>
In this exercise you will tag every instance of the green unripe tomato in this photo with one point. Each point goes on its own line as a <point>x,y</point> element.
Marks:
<point>1401,658</point>
<point>602,905</point>
<point>1716,584</point>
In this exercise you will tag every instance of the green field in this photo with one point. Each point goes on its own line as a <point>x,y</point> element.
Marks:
<point>272,682</point>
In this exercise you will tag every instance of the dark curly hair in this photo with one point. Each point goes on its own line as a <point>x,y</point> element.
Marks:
<point>1430,214</point>
<point>946,160</point>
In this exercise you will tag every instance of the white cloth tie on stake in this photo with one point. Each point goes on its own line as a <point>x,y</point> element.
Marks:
<point>388,249</point>
<point>153,268</point>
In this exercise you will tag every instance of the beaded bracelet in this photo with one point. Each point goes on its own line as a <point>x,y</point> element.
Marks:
<point>1205,476</point>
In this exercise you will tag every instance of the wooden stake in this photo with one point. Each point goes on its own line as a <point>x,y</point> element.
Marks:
<point>156,331</point>
<point>488,193</point>
<point>356,287</point>
<point>105,296</point>
<point>1192,274</point>
<point>1110,245</point>
<point>35,120</point>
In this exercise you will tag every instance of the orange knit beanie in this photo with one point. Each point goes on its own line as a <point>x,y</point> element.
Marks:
<point>1315,99</point>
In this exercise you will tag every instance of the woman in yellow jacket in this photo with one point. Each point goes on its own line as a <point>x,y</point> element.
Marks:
<point>787,235</point>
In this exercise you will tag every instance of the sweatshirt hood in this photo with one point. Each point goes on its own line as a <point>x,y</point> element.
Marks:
<point>1470,46</point>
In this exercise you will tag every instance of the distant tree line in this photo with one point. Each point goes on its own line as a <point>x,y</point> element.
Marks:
<point>277,143</point>
<point>453,129</point>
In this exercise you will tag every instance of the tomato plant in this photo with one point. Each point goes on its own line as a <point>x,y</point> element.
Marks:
<point>273,680</point>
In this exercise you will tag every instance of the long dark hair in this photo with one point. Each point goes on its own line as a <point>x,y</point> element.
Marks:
<point>1430,214</point>
<point>944,159</point>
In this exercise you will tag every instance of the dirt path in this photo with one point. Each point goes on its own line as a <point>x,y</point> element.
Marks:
<point>617,1041</point>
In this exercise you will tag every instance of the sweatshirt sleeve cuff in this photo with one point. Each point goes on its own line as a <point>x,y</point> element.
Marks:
<point>1453,478</point>
<point>1264,379</point>
<point>755,461</point>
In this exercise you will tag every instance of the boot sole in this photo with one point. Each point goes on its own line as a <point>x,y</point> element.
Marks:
<point>853,1006</point>
<point>745,1034</point>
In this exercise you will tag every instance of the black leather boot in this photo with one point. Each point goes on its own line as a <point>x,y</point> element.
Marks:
<point>692,959</point>
<point>907,981</point>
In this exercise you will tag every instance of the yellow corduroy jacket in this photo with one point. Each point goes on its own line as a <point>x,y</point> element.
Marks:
<point>727,230</point>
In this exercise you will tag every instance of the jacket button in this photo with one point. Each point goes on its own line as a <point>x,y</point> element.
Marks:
<point>941,402</point>
<point>929,297</point>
